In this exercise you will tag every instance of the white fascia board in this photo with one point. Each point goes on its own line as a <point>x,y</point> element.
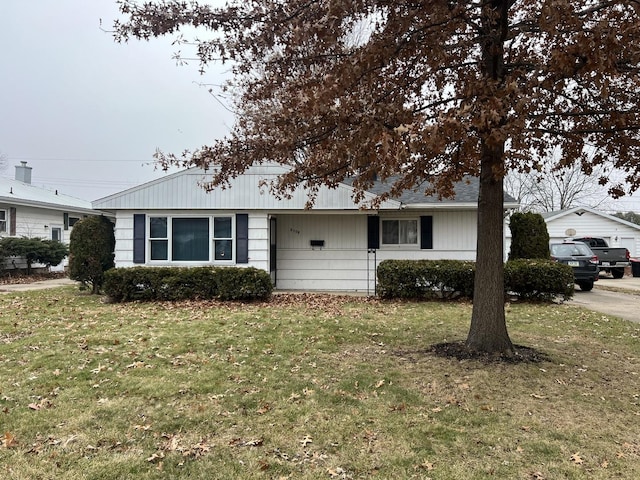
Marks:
<point>562,213</point>
<point>46,206</point>
<point>452,206</point>
<point>613,218</point>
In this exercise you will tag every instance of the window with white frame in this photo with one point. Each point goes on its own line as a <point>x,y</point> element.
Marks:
<point>188,239</point>
<point>400,231</point>
<point>3,221</point>
<point>158,238</point>
<point>222,238</point>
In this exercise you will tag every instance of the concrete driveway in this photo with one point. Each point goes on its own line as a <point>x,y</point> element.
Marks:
<point>616,297</point>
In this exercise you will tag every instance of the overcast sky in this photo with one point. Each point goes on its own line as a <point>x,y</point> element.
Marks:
<point>87,113</point>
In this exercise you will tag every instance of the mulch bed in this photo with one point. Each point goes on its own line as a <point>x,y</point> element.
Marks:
<point>460,351</point>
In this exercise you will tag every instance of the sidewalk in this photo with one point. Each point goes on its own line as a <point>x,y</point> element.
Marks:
<point>41,285</point>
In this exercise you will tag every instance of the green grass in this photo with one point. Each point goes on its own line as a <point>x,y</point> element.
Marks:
<point>309,387</point>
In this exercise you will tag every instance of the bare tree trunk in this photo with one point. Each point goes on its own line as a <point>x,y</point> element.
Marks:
<point>488,332</point>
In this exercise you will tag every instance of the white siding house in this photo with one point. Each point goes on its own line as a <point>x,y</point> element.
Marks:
<point>589,222</point>
<point>33,212</point>
<point>336,246</point>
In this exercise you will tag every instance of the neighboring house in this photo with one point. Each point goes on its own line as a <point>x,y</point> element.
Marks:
<point>334,246</point>
<point>589,222</point>
<point>33,212</point>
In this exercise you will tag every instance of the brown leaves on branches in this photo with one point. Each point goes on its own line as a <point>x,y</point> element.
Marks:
<point>408,89</point>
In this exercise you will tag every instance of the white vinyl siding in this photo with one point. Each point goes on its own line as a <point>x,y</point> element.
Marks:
<point>246,192</point>
<point>344,262</point>
<point>34,222</point>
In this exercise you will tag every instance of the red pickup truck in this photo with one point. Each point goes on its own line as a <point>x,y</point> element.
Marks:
<point>610,259</point>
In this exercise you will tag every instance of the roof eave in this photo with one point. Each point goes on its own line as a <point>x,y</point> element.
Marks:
<point>47,205</point>
<point>452,206</point>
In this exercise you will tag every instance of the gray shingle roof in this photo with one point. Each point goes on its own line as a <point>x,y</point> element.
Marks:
<point>466,191</point>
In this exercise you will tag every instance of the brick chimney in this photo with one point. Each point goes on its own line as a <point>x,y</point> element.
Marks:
<point>23,173</point>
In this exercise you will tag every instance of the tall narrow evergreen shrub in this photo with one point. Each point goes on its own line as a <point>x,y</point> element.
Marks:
<point>529,236</point>
<point>91,251</point>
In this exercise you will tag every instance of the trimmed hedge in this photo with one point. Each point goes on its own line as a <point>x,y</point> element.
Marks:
<point>538,279</point>
<point>186,283</point>
<point>532,280</point>
<point>429,279</point>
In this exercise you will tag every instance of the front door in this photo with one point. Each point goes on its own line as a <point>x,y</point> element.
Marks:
<point>272,249</point>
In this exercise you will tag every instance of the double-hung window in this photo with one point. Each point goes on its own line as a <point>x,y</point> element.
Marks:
<point>191,239</point>
<point>400,232</point>
<point>222,238</point>
<point>3,221</point>
<point>159,238</point>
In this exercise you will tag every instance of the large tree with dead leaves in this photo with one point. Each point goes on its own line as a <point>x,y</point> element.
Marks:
<point>422,93</point>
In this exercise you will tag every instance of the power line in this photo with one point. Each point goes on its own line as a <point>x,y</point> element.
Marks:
<point>144,161</point>
<point>82,182</point>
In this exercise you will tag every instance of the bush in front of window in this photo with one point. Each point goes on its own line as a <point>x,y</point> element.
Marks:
<point>33,250</point>
<point>187,283</point>
<point>528,280</point>
<point>426,279</point>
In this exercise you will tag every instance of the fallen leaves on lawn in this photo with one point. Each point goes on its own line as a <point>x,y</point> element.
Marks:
<point>337,472</point>
<point>426,465</point>
<point>8,440</point>
<point>577,459</point>
<point>155,457</point>
<point>174,443</point>
<point>43,403</point>
<point>253,442</point>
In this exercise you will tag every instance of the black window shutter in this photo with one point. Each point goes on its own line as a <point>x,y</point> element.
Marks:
<point>373,232</point>
<point>12,221</point>
<point>65,220</point>
<point>426,232</point>
<point>139,241</point>
<point>242,238</point>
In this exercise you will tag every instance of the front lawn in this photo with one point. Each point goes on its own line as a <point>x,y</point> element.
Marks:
<point>309,387</point>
